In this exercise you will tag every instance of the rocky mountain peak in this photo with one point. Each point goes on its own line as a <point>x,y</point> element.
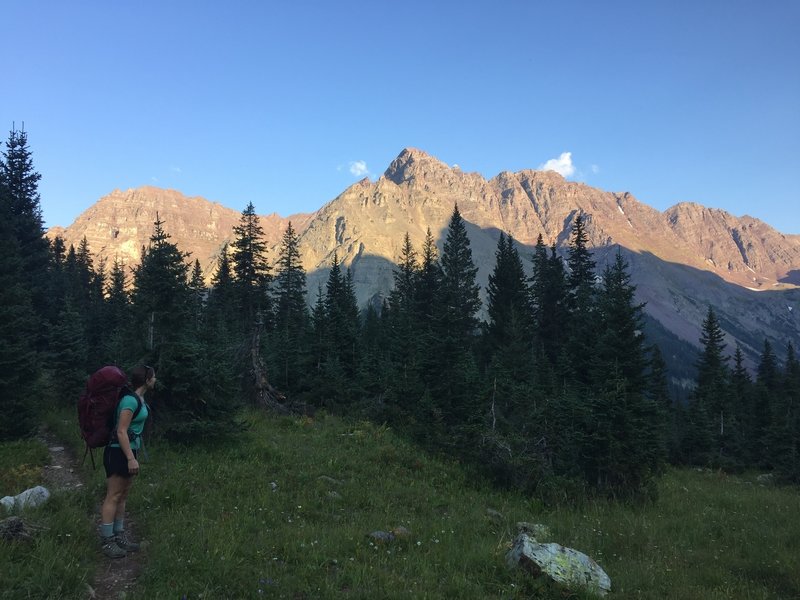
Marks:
<point>413,163</point>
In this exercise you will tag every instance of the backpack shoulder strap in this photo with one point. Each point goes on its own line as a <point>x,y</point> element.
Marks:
<point>138,406</point>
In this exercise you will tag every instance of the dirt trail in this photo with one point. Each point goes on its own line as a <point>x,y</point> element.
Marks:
<point>113,578</point>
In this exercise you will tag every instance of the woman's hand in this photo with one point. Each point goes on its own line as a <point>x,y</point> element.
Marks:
<point>133,466</point>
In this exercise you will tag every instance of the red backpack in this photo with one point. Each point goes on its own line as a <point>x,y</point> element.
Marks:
<point>97,405</point>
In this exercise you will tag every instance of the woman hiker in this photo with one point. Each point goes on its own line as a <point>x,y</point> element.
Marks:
<point>121,464</point>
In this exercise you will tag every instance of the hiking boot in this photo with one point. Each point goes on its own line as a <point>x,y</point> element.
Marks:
<point>126,543</point>
<point>111,549</point>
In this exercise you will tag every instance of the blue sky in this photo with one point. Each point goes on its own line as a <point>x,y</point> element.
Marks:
<point>287,104</point>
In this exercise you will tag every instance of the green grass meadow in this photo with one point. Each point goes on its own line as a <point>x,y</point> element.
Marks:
<point>285,510</point>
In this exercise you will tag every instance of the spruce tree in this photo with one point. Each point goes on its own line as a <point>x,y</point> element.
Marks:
<point>508,297</point>
<point>427,282</point>
<point>513,424</point>
<point>785,430</point>
<point>707,408</point>
<point>403,331</point>
<point>318,347</point>
<point>342,323</point>
<point>96,328</point>
<point>453,380</point>
<point>402,311</point>
<point>198,291</point>
<point>19,193</point>
<point>291,355</point>
<point>581,330</point>
<point>160,290</point>
<point>549,301</point>
<point>767,389</point>
<point>196,393</point>
<point>740,409</point>
<point>624,446</point>
<point>426,292</point>
<point>56,278</point>
<point>116,344</point>
<point>252,273</point>
<point>19,367</point>
<point>69,354</point>
<point>620,343</point>
<point>459,296</point>
<point>221,307</point>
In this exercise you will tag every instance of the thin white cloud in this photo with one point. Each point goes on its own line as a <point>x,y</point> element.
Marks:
<point>359,168</point>
<point>595,169</point>
<point>561,165</point>
<point>176,169</point>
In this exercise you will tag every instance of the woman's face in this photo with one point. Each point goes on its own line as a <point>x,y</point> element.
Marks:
<point>151,383</point>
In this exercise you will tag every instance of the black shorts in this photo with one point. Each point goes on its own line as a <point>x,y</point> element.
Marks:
<point>115,462</point>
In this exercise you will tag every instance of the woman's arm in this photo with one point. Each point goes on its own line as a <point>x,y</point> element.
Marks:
<point>125,417</point>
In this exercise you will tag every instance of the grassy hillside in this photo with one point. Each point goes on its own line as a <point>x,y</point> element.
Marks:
<point>285,512</point>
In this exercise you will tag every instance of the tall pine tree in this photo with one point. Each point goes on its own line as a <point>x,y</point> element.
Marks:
<point>453,380</point>
<point>291,356</point>
<point>19,193</point>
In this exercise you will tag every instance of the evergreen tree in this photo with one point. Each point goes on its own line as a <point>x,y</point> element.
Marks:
<point>549,301</point>
<point>342,322</point>
<point>69,354</point>
<point>620,343</point>
<point>96,328</point>
<point>319,344</point>
<point>373,368</point>
<point>19,367</point>
<point>56,278</point>
<point>767,389</point>
<point>741,409</point>
<point>658,392</point>
<point>513,422</point>
<point>427,283</point>
<point>160,290</point>
<point>402,329</point>
<point>453,380</point>
<point>252,273</point>
<point>402,310</point>
<point>581,330</point>
<point>426,293</point>
<point>785,431</point>
<point>196,392</point>
<point>707,407</point>
<point>459,299</point>
<point>291,315</point>
<point>118,317</point>
<point>221,309</point>
<point>624,446</point>
<point>508,298</point>
<point>768,371</point>
<point>198,291</point>
<point>19,193</point>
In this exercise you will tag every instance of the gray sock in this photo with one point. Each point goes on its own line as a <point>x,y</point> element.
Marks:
<point>119,525</point>
<point>106,530</point>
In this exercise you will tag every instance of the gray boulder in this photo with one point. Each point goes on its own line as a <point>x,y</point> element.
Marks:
<point>563,565</point>
<point>29,498</point>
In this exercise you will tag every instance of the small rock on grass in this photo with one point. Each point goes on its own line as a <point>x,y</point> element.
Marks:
<point>381,537</point>
<point>494,515</point>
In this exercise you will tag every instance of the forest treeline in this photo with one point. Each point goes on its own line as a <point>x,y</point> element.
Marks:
<point>556,391</point>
